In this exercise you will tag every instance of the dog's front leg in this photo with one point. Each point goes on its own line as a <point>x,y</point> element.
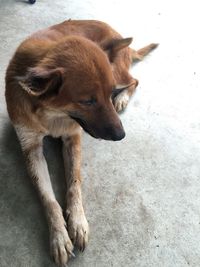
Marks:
<point>77,224</point>
<point>60,243</point>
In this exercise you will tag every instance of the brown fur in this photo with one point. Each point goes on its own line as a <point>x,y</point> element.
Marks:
<point>58,79</point>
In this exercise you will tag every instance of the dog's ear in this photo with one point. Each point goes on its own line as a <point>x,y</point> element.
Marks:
<point>39,81</point>
<point>113,46</point>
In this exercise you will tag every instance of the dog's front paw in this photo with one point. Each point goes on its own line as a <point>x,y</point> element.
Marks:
<point>61,246</point>
<point>121,101</point>
<point>78,227</point>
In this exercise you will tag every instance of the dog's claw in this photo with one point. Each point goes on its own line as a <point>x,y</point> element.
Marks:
<point>83,246</point>
<point>72,254</point>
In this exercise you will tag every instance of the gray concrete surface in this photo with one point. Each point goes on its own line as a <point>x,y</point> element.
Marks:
<point>141,195</point>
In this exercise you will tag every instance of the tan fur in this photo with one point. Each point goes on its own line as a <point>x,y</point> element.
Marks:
<point>59,79</point>
<point>77,224</point>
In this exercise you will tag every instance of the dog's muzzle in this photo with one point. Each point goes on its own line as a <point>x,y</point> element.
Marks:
<point>108,132</point>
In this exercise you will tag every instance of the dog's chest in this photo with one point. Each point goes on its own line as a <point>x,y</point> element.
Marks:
<point>59,124</point>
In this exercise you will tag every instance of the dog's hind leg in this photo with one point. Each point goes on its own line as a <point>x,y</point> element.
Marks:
<point>77,224</point>
<point>122,98</point>
<point>60,243</point>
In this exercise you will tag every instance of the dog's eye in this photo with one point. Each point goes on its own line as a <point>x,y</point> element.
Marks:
<point>89,102</point>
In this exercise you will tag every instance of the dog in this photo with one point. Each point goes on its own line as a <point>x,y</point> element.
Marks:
<point>68,77</point>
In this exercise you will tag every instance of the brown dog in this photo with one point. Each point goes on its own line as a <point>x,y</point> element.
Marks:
<point>59,79</point>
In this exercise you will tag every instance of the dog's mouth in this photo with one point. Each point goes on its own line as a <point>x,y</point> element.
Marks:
<point>84,125</point>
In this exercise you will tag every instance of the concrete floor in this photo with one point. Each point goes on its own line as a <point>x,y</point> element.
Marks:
<point>141,195</point>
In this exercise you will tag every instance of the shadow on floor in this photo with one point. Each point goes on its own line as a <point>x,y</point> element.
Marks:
<point>22,218</point>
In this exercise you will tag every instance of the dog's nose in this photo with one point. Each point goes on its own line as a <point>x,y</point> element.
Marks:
<point>115,133</point>
<point>118,135</point>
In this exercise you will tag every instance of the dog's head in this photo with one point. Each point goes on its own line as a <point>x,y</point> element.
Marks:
<point>75,77</point>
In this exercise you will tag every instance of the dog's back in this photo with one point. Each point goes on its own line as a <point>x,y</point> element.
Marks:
<point>94,30</point>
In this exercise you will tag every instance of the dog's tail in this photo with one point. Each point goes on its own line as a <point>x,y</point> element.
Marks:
<point>141,53</point>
